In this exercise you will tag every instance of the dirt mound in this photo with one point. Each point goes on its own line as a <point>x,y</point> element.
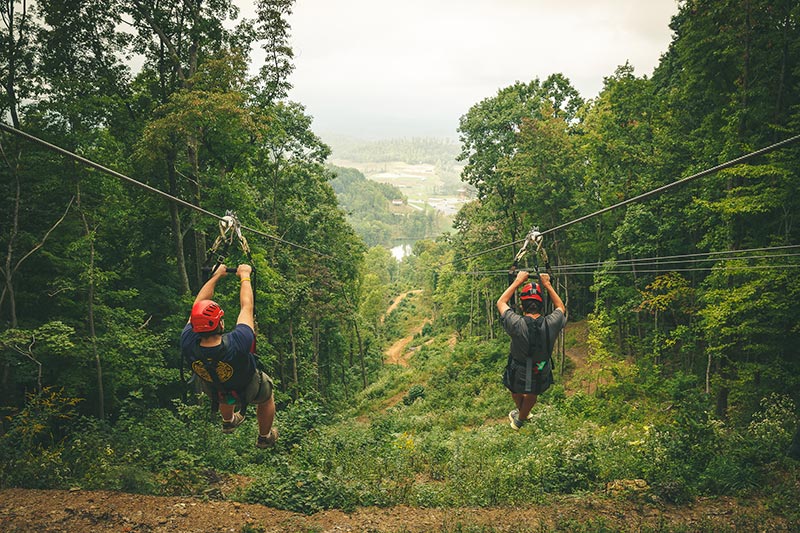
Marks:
<point>81,511</point>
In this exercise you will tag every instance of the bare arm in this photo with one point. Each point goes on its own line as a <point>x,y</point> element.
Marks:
<point>554,297</point>
<point>246,301</point>
<point>207,290</point>
<point>502,302</point>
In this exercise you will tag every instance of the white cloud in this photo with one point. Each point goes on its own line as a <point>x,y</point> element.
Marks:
<point>380,68</point>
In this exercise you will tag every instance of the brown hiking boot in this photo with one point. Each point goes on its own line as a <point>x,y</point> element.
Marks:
<point>269,440</point>
<point>228,426</point>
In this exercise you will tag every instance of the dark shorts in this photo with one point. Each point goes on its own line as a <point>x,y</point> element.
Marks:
<point>514,378</point>
<point>259,390</point>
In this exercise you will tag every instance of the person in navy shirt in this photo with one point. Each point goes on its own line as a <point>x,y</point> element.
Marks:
<point>225,362</point>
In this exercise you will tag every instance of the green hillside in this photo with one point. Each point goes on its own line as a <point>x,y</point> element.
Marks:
<point>379,213</point>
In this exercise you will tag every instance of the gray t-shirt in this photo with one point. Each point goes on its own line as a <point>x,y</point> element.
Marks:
<point>517,329</point>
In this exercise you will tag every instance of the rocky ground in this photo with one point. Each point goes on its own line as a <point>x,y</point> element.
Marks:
<point>80,511</point>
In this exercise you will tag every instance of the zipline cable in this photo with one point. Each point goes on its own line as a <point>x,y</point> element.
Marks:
<point>664,265</point>
<point>169,197</point>
<point>644,271</point>
<point>660,260</point>
<point>685,258</point>
<point>646,195</point>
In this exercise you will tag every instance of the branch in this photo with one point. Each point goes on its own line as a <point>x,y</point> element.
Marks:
<point>29,355</point>
<point>164,39</point>
<point>146,322</point>
<point>46,235</point>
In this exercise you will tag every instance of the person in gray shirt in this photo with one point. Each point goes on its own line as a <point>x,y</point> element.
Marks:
<point>529,370</point>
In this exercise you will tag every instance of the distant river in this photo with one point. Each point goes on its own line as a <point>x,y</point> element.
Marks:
<point>402,250</point>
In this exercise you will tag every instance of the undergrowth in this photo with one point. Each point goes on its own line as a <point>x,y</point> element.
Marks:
<point>447,445</point>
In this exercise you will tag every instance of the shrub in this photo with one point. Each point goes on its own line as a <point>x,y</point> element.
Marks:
<point>770,432</point>
<point>298,419</point>
<point>416,391</point>
<point>31,452</point>
<point>300,491</point>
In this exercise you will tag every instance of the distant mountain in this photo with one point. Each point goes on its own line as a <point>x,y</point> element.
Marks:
<point>379,212</point>
<point>413,150</point>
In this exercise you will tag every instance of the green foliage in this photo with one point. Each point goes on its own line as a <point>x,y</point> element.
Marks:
<point>299,418</point>
<point>32,451</point>
<point>373,215</point>
<point>416,391</point>
<point>300,491</point>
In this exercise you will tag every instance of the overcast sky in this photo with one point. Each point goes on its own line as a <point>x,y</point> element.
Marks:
<point>402,68</point>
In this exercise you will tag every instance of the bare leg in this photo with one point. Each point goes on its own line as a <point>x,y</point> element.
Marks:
<point>517,399</point>
<point>265,413</point>
<point>226,410</point>
<point>528,401</point>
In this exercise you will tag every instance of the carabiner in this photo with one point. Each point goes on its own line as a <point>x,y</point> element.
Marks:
<point>532,236</point>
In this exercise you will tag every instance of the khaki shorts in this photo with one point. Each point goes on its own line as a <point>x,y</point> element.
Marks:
<point>259,390</point>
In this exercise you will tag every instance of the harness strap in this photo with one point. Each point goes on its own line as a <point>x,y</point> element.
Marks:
<point>528,373</point>
<point>210,364</point>
<point>532,349</point>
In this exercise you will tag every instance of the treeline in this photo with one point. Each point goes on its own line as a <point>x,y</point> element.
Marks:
<point>98,276</point>
<point>540,155</point>
<point>414,150</point>
<point>371,212</point>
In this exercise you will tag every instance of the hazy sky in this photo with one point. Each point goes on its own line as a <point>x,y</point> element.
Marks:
<point>402,68</point>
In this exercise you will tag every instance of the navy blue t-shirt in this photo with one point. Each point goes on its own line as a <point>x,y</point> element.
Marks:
<point>235,368</point>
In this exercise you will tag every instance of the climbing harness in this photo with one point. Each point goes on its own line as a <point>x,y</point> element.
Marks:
<point>534,240</point>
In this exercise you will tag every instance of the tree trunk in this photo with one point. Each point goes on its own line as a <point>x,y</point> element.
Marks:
<point>344,377</point>
<point>722,403</point>
<point>177,232</point>
<point>8,269</point>
<point>295,380</point>
<point>10,81</point>
<point>491,315</point>
<point>279,349</point>
<point>315,342</point>
<point>745,80</point>
<point>471,304</point>
<point>361,354</point>
<point>199,237</point>
<point>101,411</point>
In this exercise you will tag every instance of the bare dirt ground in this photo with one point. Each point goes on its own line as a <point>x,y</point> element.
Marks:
<point>397,301</point>
<point>396,354</point>
<point>103,511</point>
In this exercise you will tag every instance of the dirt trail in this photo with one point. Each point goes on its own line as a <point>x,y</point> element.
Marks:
<point>81,511</point>
<point>397,301</point>
<point>585,375</point>
<point>396,354</point>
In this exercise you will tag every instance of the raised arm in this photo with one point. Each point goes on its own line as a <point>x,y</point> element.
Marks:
<point>246,296</point>
<point>554,297</point>
<point>206,292</point>
<point>502,302</point>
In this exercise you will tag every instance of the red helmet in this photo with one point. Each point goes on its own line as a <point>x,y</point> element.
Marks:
<point>531,291</point>
<point>206,315</point>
